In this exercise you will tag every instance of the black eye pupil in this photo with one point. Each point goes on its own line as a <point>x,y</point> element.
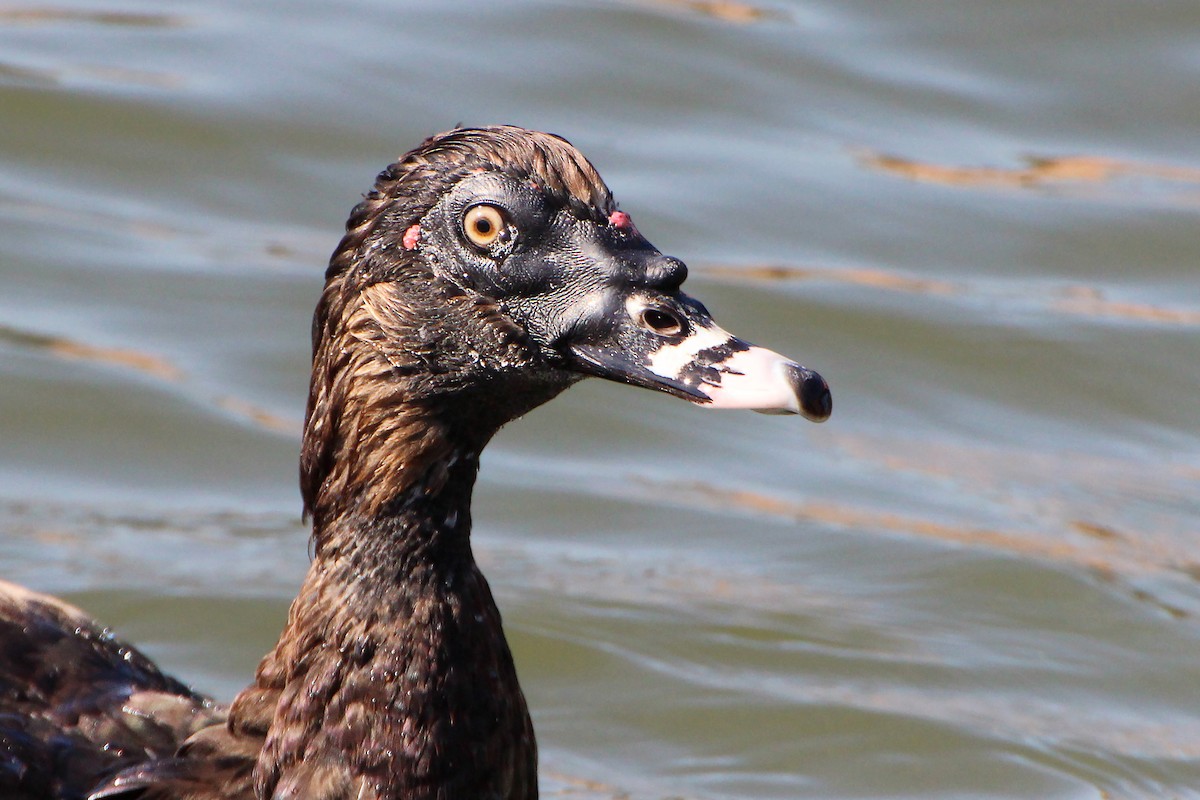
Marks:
<point>483,227</point>
<point>661,321</point>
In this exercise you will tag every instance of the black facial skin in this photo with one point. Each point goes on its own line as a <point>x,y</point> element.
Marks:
<point>594,298</point>
<point>568,278</point>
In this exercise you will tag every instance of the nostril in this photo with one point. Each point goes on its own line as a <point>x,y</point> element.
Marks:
<point>661,322</point>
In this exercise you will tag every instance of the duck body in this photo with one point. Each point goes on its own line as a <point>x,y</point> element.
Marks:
<point>488,270</point>
<point>77,703</point>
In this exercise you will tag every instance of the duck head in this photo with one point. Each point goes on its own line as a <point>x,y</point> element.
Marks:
<point>489,269</point>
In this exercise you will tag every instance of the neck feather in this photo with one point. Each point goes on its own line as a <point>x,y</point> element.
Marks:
<point>393,677</point>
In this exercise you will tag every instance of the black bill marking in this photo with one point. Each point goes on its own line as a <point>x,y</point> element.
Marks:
<point>618,366</point>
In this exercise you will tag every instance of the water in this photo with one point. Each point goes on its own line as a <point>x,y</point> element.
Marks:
<point>979,579</point>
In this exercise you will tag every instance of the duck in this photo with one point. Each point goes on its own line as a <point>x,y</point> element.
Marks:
<point>487,270</point>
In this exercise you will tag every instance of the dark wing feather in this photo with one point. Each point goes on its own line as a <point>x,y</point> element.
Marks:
<point>77,704</point>
<point>214,764</point>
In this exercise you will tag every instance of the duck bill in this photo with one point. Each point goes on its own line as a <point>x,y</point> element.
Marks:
<point>732,373</point>
<point>713,368</point>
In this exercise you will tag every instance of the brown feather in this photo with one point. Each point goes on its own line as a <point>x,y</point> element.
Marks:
<point>392,678</point>
<point>76,702</point>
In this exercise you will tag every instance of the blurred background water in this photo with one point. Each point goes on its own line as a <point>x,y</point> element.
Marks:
<point>977,220</point>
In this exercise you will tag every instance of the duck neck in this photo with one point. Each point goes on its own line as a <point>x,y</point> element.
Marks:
<point>393,675</point>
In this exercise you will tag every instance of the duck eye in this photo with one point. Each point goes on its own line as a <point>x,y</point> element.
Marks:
<point>483,225</point>
<point>662,322</point>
